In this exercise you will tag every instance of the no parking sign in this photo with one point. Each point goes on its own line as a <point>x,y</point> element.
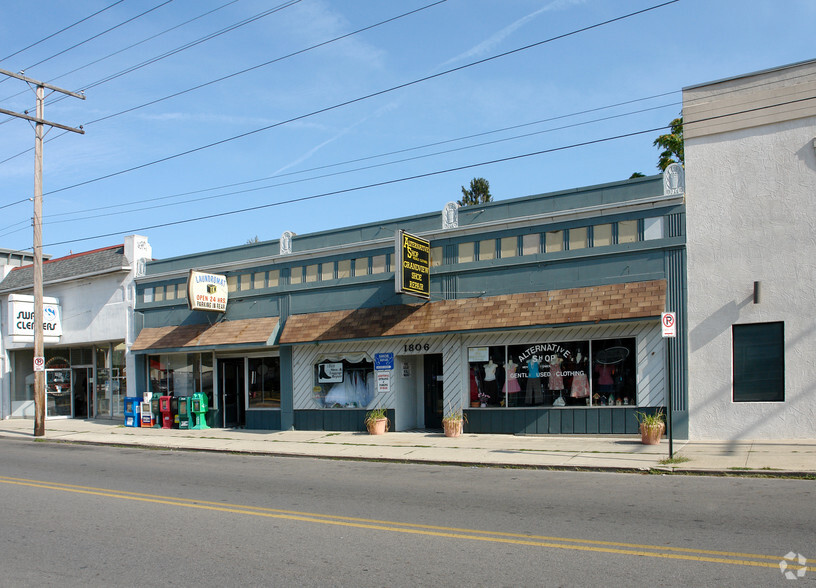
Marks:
<point>39,364</point>
<point>668,320</point>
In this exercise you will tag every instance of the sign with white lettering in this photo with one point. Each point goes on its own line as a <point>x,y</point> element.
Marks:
<point>413,274</point>
<point>207,292</point>
<point>21,318</point>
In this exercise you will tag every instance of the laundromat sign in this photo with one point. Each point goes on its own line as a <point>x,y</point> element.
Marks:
<point>21,316</point>
<point>207,291</point>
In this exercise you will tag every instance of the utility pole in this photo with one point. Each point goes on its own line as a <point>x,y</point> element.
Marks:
<point>39,134</point>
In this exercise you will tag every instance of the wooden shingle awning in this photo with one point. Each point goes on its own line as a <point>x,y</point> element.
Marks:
<point>259,332</point>
<point>630,301</point>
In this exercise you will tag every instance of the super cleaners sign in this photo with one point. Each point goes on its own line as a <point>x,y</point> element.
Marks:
<point>413,276</point>
<point>21,317</point>
<point>207,291</point>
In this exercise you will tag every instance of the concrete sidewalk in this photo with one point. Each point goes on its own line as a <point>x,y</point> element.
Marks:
<point>566,452</point>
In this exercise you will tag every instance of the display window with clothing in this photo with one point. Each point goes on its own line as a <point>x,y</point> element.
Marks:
<point>599,372</point>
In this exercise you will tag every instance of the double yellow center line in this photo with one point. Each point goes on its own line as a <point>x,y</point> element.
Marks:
<point>612,547</point>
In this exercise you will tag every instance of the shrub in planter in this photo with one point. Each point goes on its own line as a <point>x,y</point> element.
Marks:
<point>652,427</point>
<point>376,421</point>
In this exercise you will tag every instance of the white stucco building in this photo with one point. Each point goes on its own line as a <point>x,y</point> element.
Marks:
<point>88,303</point>
<point>750,156</point>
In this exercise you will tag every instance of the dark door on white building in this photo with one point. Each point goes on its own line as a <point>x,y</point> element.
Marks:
<point>433,391</point>
<point>231,379</point>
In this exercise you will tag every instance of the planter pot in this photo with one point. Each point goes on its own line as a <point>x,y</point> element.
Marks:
<point>650,435</point>
<point>474,404</point>
<point>378,427</point>
<point>452,428</point>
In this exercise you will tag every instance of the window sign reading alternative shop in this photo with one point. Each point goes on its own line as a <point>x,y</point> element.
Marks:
<point>561,374</point>
<point>413,274</point>
<point>207,291</point>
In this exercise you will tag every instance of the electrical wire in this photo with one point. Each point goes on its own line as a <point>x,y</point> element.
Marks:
<point>61,30</point>
<point>360,99</point>
<point>138,16</point>
<point>141,206</point>
<point>358,188</point>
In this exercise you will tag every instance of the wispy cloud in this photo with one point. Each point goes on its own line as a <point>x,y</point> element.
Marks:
<point>497,38</point>
<point>308,154</point>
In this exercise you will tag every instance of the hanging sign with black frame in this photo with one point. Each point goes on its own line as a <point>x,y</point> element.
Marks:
<point>413,276</point>
<point>207,291</point>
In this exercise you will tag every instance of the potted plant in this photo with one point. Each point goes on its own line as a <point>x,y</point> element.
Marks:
<point>652,427</point>
<point>376,421</point>
<point>453,423</point>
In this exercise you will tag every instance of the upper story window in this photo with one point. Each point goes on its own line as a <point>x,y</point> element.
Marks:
<point>578,238</point>
<point>343,269</point>
<point>487,249</point>
<point>327,271</point>
<point>467,252</point>
<point>653,228</point>
<point>378,264</point>
<point>628,231</point>
<point>602,235</point>
<point>531,244</point>
<point>437,256</point>
<point>509,247</point>
<point>554,241</point>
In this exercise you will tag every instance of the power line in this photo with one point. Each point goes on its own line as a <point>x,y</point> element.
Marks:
<point>260,65</point>
<point>146,39</point>
<point>100,34</point>
<point>61,31</point>
<point>232,75</point>
<point>361,98</point>
<point>358,188</point>
<point>323,176</point>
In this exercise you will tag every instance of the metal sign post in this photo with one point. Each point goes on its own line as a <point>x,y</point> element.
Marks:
<point>668,322</point>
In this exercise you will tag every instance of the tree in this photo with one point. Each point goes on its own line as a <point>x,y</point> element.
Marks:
<point>672,145</point>
<point>637,175</point>
<point>253,240</point>
<point>479,192</point>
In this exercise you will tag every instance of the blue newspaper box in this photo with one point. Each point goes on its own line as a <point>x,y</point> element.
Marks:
<point>132,411</point>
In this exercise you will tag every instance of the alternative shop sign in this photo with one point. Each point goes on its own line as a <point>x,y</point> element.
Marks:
<point>21,317</point>
<point>207,292</point>
<point>413,276</point>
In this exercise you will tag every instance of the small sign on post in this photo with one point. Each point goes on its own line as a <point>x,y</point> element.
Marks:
<point>39,364</point>
<point>668,321</point>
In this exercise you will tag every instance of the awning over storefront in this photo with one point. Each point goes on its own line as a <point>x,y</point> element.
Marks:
<point>258,332</point>
<point>636,300</point>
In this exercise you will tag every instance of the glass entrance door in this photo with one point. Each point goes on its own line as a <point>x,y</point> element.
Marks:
<point>231,372</point>
<point>58,393</point>
<point>433,391</point>
<point>83,393</point>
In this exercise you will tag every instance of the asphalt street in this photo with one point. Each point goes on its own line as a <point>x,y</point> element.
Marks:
<point>82,515</point>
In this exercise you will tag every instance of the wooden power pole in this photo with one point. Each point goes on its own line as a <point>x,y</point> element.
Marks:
<point>39,134</point>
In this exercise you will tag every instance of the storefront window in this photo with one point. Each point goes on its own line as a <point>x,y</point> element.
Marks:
<point>264,382</point>
<point>103,384</point>
<point>118,379</point>
<point>573,373</point>
<point>344,381</point>
<point>614,372</point>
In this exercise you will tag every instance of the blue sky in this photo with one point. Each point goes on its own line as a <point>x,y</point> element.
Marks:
<point>278,133</point>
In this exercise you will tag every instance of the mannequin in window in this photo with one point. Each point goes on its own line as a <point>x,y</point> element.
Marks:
<point>511,385</point>
<point>490,386</point>
<point>533,396</point>
<point>580,383</point>
<point>556,381</point>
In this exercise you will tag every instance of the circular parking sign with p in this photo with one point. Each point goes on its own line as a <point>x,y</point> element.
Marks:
<point>39,364</point>
<point>668,321</point>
